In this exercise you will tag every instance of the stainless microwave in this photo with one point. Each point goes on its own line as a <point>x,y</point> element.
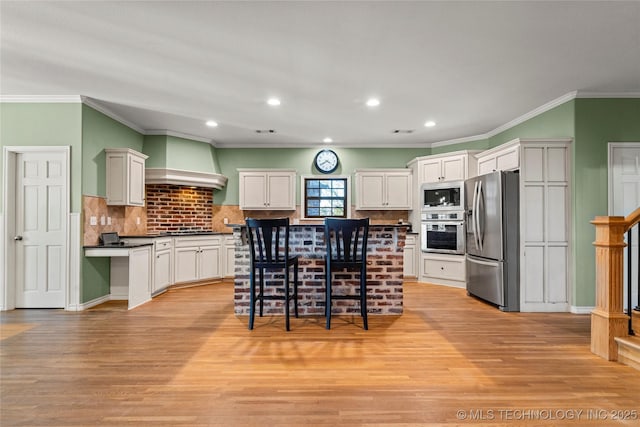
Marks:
<point>440,196</point>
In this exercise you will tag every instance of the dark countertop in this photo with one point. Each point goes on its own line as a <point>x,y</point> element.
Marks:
<point>128,246</point>
<point>175,234</point>
<point>321,224</point>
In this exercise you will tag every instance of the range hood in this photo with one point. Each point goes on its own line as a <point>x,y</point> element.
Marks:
<point>184,177</point>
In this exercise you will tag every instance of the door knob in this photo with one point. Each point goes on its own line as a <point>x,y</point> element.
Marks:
<point>17,238</point>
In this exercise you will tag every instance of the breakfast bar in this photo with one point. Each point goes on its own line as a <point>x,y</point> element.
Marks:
<point>384,271</point>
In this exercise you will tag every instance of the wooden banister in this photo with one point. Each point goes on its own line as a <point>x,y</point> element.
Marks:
<point>608,319</point>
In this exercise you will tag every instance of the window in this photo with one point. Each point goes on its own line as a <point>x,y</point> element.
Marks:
<point>325,197</point>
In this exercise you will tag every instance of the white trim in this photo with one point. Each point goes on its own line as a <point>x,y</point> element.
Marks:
<point>178,135</point>
<point>581,309</point>
<point>7,293</point>
<point>91,103</point>
<point>94,302</point>
<point>459,140</point>
<point>73,274</point>
<point>582,94</point>
<point>3,264</point>
<point>420,144</point>
<point>184,177</point>
<point>610,147</point>
<point>302,188</point>
<point>41,98</point>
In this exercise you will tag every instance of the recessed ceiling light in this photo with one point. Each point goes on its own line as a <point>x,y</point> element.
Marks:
<point>327,140</point>
<point>373,102</point>
<point>430,124</point>
<point>274,102</point>
<point>211,123</point>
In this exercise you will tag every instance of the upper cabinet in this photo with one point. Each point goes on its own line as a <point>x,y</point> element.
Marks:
<point>443,169</point>
<point>383,189</point>
<point>502,158</point>
<point>125,177</point>
<point>267,189</point>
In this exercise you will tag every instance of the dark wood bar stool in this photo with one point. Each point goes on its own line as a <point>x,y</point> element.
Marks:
<point>346,245</point>
<point>269,250</point>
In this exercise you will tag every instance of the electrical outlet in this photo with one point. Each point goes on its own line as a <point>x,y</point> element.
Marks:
<point>138,221</point>
<point>225,221</point>
<point>108,220</point>
<point>103,221</point>
<point>93,220</point>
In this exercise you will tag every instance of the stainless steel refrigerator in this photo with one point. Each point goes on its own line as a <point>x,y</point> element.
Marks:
<point>492,239</point>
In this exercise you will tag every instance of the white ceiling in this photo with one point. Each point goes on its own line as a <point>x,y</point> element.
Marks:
<point>169,65</point>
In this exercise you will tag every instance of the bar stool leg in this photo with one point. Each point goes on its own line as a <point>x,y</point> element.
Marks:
<point>261,294</point>
<point>252,297</point>
<point>295,288</point>
<point>287,299</point>
<point>328,294</point>
<point>363,299</point>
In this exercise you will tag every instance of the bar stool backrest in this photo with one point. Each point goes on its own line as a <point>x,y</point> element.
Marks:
<point>268,240</point>
<point>346,239</point>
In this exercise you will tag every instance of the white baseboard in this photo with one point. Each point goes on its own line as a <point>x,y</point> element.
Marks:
<point>94,302</point>
<point>581,309</point>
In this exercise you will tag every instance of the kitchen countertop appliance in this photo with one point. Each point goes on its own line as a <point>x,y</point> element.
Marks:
<point>492,238</point>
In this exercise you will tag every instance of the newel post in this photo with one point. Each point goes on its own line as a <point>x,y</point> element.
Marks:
<point>608,319</point>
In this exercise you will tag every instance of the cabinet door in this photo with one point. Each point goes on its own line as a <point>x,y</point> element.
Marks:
<point>162,270</point>
<point>409,257</point>
<point>430,171</point>
<point>253,190</point>
<point>209,262</point>
<point>281,191</point>
<point>116,179</point>
<point>186,264</point>
<point>453,168</point>
<point>370,188</point>
<point>486,165</point>
<point>398,191</point>
<point>229,259</point>
<point>136,181</point>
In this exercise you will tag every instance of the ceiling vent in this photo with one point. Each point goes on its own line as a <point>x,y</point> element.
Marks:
<point>402,131</point>
<point>265,131</point>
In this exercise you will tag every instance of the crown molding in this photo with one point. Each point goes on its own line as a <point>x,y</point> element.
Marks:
<point>459,140</point>
<point>91,103</point>
<point>168,132</point>
<point>584,94</point>
<point>314,145</point>
<point>61,99</point>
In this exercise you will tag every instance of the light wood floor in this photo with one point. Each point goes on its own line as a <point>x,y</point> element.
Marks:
<point>184,359</point>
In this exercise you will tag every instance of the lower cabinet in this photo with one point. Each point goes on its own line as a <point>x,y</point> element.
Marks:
<point>197,258</point>
<point>409,256</point>
<point>229,256</point>
<point>443,269</point>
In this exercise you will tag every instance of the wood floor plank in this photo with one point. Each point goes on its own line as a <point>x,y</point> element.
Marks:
<point>184,359</point>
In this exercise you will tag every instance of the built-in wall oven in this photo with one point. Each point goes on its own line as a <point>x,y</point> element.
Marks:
<point>443,232</point>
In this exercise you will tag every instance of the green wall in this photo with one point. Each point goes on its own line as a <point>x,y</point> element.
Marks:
<point>480,144</point>
<point>166,151</point>
<point>46,124</point>
<point>100,132</point>
<point>301,159</point>
<point>598,122</point>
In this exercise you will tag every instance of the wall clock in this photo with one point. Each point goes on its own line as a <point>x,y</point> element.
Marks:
<point>326,161</point>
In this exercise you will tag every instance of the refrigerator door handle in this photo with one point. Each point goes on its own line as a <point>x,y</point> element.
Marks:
<point>479,230</point>
<point>478,261</point>
<point>474,213</point>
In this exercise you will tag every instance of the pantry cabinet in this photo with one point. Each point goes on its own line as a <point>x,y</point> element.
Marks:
<point>267,189</point>
<point>383,189</point>
<point>197,258</point>
<point>125,177</point>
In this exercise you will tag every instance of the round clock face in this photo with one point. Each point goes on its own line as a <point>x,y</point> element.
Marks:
<point>326,161</point>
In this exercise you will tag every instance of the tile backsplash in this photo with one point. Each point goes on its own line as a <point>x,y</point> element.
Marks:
<point>125,220</point>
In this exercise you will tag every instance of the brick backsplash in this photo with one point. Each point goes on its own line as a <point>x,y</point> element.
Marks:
<point>173,208</point>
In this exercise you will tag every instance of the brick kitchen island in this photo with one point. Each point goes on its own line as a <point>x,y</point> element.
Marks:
<point>384,272</point>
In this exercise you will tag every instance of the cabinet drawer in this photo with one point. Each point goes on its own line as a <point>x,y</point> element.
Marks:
<point>162,244</point>
<point>410,240</point>
<point>185,242</point>
<point>442,268</point>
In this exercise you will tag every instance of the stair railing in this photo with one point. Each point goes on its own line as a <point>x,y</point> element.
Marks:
<point>608,319</point>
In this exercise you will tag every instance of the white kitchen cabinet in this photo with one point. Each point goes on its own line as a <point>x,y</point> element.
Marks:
<point>197,258</point>
<point>125,176</point>
<point>449,168</point>
<point>501,158</point>
<point>162,264</point>
<point>383,189</point>
<point>267,189</point>
<point>409,256</point>
<point>229,256</point>
<point>443,269</point>
<point>545,225</point>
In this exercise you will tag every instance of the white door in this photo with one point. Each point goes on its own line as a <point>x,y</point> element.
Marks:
<point>41,232</point>
<point>624,198</point>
